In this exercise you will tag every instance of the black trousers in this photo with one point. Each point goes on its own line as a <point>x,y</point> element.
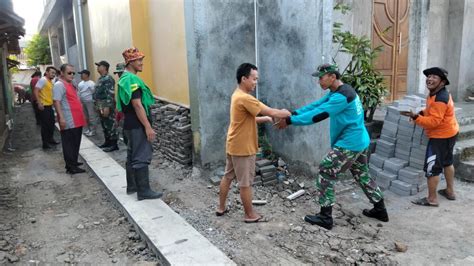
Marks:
<point>139,149</point>
<point>36,111</point>
<point>47,124</point>
<point>71,141</point>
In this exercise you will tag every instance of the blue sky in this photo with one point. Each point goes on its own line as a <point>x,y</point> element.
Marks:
<point>31,11</point>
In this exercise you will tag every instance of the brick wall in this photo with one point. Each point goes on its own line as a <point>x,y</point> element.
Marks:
<point>172,123</point>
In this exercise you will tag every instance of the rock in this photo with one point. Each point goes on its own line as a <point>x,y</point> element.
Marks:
<point>297,229</point>
<point>2,255</point>
<point>62,215</point>
<point>3,243</point>
<point>400,247</point>
<point>80,226</point>
<point>379,225</point>
<point>209,186</point>
<point>215,180</point>
<point>259,202</point>
<point>142,246</point>
<point>96,223</point>
<point>114,260</point>
<point>12,258</point>
<point>20,250</point>
<point>32,220</point>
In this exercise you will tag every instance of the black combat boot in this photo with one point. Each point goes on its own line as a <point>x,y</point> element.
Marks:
<point>379,211</point>
<point>106,143</point>
<point>131,185</point>
<point>142,180</point>
<point>112,146</point>
<point>323,218</point>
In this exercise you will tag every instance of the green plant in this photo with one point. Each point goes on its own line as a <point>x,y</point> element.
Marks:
<point>360,73</point>
<point>38,51</point>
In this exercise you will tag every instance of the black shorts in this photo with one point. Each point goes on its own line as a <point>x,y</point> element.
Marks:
<point>439,154</point>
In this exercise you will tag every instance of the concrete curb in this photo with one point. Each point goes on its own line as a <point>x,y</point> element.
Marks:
<point>174,240</point>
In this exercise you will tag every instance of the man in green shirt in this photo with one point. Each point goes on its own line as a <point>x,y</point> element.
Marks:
<point>134,100</point>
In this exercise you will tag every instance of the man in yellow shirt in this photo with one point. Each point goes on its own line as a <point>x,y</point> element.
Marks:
<point>242,140</point>
<point>43,91</point>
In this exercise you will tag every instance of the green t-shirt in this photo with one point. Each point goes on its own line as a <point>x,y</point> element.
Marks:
<point>129,83</point>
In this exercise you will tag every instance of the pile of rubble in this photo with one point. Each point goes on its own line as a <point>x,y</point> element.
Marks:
<point>397,163</point>
<point>172,123</point>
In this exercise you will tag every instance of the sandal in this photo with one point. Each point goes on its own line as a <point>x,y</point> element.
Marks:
<point>444,193</point>
<point>258,220</point>
<point>424,202</point>
<point>222,213</point>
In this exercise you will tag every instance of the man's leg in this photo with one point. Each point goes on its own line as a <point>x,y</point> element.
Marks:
<point>51,126</point>
<point>244,167</point>
<point>246,197</point>
<point>433,182</point>
<point>77,142</point>
<point>449,174</point>
<point>44,124</point>
<point>224,186</point>
<point>67,145</point>
<point>111,131</point>
<point>360,172</point>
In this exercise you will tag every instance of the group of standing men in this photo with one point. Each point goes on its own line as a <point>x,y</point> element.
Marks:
<point>78,106</point>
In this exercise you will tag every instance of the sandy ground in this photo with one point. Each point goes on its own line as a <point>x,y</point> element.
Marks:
<point>50,217</point>
<point>433,236</point>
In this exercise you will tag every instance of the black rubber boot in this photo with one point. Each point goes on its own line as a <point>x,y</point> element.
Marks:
<point>112,146</point>
<point>105,144</point>
<point>143,185</point>
<point>323,218</point>
<point>131,185</point>
<point>379,211</point>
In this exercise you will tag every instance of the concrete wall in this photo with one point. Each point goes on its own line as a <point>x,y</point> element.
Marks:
<point>454,43</point>
<point>110,31</point>
<point>219,37</point>
<point>167,35</point>
<point>466,69</point>
<point>293,38</point>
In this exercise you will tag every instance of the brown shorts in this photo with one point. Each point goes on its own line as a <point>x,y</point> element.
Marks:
<point>242,168</point>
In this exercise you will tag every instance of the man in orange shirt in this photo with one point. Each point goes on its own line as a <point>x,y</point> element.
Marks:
<point>242,140</point>
<point>440,124</point>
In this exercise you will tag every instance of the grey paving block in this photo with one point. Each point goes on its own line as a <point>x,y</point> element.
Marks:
<point>215,180</point>
<point>401,185</point>
<point>422,187</point>
<point>268,168</point>
<point>393,165</point>
<point>410,172</point>
<point>403,150</point>
<point>392,117</point>
<point>263,162</point>
<point>399,191</point>
<point>268,178</point>
<point>406,124</point>
<point>402,156</point>
<point>393,110</point>
<point>424,141</point>
<point>418,129</point>
<point>268,174</point>
<point>390,126</point>
<point>388,139</point>
<point>384,179</point>
<point>385,145</point>
<point>404,138</point>
<point>374,170</point>
<point>404,118</point>
<point>385,153</point>
<point>412,181</point>
<point>270,183</point>
<point>389,133</point>
<point>377,160</point>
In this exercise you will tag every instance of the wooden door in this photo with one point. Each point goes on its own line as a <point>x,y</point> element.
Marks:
<point>390,30</point>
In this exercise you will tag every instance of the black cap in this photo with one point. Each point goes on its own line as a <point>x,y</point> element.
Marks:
<point>438,71</point>
<point>85,71</point>
<point>103,63</point>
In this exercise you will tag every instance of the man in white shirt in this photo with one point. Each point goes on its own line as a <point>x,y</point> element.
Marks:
<point>86,89</point>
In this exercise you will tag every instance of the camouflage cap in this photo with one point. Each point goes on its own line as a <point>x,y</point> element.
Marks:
<point>325,69</point>
<point>119,68</point>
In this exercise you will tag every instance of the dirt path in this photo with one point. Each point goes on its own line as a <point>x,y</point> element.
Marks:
<point>438,236</point>
<point>50,217</point>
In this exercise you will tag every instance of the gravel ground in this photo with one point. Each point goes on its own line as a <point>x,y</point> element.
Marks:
<point>50,217</point>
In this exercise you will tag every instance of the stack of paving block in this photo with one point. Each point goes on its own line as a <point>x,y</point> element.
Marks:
<point>397,163</point>
<point>172,123</point>
<point>265,173</point>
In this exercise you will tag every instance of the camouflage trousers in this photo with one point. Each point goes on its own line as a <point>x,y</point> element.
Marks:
<point>337,161</point>
<point>108,125</point>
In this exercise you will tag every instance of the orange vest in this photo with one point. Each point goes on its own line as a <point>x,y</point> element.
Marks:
<point>438,119</point>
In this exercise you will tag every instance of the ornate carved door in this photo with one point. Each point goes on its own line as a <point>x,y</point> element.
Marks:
<point>390,30</point>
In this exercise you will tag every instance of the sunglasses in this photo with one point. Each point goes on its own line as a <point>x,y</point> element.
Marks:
<point>71,73</point>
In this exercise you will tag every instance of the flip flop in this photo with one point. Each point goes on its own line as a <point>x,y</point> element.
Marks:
<point>444,193</point>
<point>222,213</point>
<point>258,220</point>
<point>424,202</point>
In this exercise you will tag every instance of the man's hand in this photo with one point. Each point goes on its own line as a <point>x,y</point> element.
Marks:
<point>410,114</point>
<point>40,106</point>
<point>288,113</point>
<point>282,124</point>
<point>150,134</point>
<point>62,124</point>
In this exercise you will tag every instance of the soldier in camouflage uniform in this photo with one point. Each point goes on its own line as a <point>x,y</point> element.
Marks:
<point>104,97</point>
<point>349,144</point>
